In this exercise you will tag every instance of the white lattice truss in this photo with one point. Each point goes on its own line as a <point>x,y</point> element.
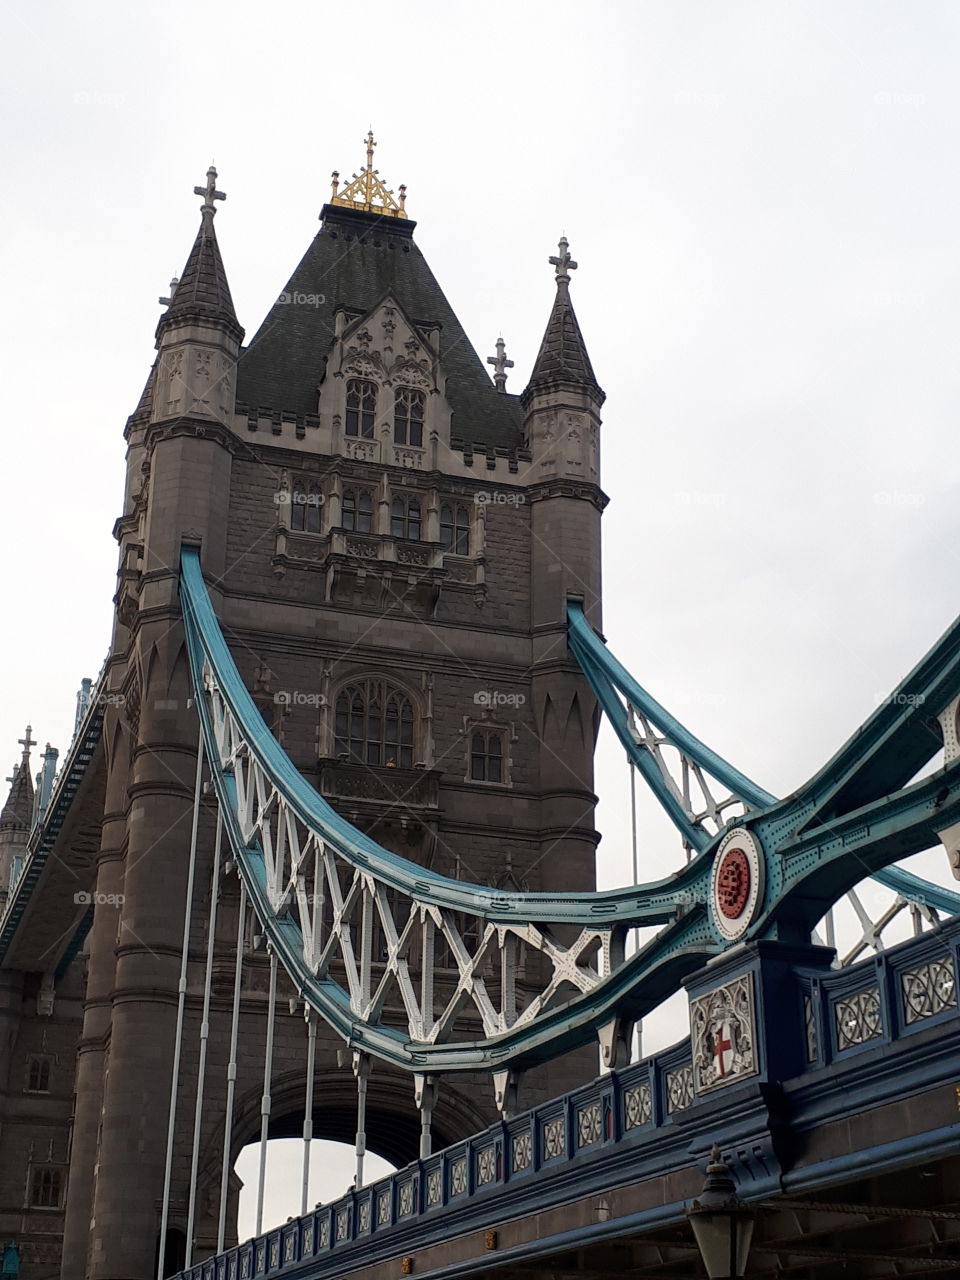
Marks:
<point>381,939</point>
<point>701,809</point>
<point>692,790</point>
<point>873,925</point>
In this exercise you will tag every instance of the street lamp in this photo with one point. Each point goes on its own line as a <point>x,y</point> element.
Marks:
<point>722,1223</point>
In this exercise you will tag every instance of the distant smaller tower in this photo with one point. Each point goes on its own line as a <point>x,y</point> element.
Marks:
<point>16,820</point>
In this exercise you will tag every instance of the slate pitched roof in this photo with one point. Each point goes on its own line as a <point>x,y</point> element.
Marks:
<point>203,292</point>
<point>18,810</point>
<point>145,403</point>
<point>354,261</point>
<point>563,352</point>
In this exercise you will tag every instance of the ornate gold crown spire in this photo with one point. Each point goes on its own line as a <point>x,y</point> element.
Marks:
<point>366,191</point>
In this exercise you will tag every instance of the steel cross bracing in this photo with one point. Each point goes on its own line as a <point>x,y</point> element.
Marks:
<point>354,924</point>
<point>645,729</point>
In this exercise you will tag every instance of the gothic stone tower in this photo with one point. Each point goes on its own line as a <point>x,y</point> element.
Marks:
<point>389,539</point>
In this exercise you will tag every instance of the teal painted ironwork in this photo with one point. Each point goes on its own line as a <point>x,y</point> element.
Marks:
<point>853,818</point>
<point>815,845</point>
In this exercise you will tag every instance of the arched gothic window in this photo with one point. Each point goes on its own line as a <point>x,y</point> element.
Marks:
<point>38,1080</point>
<point>45,1188</point>
<point>486,755</point>
<point>455,528</point>
<point>408,407</point>
<point>361,408</point>
<point>357,510</point>
<point>375,724</point>
<point>405,518</point>
<point>305,502</point>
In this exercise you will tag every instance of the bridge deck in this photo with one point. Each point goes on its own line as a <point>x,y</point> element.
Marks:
<point>612,1166</point>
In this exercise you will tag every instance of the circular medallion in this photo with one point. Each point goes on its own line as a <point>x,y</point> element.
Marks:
<point>737,883</point>
<point>733,883</point>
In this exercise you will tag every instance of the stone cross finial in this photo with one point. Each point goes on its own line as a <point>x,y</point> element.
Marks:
<point>563,263</point>
<point>500,364</point>
<point>26,742</point>
<point>166,302</point>
<point>210,193</point>
<point>13,773</point>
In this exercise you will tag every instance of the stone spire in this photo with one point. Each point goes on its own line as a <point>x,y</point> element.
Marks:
<point>202,293</point>
<point>563,358</point>
<point>199,335</point>
<point>17,811</point>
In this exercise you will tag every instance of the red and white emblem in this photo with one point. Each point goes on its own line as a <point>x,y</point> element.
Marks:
<point>737,883</point>
<point>722,1035</point>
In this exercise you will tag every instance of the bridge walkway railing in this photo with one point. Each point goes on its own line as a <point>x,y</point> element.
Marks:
<point>868,1033</point>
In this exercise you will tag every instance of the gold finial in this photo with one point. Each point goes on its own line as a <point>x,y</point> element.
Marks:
<point>367,192</point>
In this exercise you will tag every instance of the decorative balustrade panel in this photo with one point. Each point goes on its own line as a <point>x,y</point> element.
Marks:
<point>637,1109</point>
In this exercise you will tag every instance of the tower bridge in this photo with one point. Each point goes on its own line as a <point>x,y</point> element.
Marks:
<point>330,803</point>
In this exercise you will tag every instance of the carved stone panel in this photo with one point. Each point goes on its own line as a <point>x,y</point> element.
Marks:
<point>928,989</point>
<point>679,1084</point>
<point>408,788</point>
<point>637,1106</point>
<point>858,1018</point>
<point>723,1032</point>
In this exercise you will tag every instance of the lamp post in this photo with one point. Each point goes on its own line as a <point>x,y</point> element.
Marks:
<point>722,1224</point>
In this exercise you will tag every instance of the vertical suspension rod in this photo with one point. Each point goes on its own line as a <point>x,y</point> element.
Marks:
<point>265,1100</point>
<point>308,1108</point>
<point>181,1005</point>
<point>426,1098</point>
<point>362,1068</point>
<point>636,880</point>
<point>204,1037</point>
<point>232,1070</point>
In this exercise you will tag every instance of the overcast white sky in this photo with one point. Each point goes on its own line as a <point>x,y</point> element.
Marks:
<point>763,199</point>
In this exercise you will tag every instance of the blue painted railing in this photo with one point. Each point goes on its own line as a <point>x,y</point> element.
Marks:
<point>636,1122</point>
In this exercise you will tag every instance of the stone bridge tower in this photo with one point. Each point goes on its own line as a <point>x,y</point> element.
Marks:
<point>389,538</point>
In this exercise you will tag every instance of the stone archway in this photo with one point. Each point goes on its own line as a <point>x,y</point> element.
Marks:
<point>392,1128</point>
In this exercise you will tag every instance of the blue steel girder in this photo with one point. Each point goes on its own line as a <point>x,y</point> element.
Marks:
<point>632,986</point>
<point>608,679</point>
<point>43,839</point>
<point>274,818</point>
<point>853,819</point>
<point>810,868</point>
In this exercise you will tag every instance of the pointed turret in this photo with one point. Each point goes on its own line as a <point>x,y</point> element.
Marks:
<point>145,403</point>
<point>16,819</point>
<point>364,253</point>
<point>202,292</point>
<point>563,358</point>
<point>17,811</point>
<point>199,335</point>
<point>561,402</point>
<point>561,422</point>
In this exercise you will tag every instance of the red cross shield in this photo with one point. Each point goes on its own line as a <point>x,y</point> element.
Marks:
<point>722,1033</point>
